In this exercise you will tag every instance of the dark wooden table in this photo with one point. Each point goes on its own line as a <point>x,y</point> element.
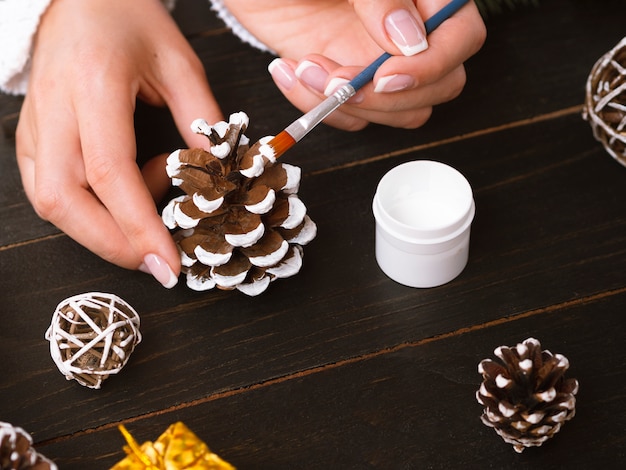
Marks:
<point>340,367</point>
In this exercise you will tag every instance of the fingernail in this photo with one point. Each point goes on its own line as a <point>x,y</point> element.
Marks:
<point>405,32</point>
<point>282,74</point>
<point>312,75</point>
<point>160,270</point>
<point>393,83</point>
<point>143,268</point>
<point>336,83</point>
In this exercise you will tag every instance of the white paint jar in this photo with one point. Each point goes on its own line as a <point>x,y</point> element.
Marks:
<point>423,211</point>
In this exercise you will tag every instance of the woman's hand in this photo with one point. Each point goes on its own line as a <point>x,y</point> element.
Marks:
<point>324,43</point>
<point>75,139</point>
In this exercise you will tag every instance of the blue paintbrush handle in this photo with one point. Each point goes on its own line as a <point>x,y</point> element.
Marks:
<point>430,24</point>
<point>301,127</point>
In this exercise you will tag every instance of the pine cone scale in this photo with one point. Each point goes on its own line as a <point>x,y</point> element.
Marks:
<point>17,453</point>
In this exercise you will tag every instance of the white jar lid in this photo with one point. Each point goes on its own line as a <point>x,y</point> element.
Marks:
<point>423,211</point>
<point>423,201</point>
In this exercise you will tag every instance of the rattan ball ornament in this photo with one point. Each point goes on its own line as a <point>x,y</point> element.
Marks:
<point>17,452</point>
<point>525,395</point>
<point>240,223</point>
<point>92,336</point>
<point>605,101</point>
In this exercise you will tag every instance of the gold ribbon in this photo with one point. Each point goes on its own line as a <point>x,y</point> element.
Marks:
<point>135,449</point>
<point>177,448</point>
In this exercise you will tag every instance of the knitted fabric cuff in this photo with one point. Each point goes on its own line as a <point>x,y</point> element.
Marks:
<point>19,20</point>
<point>237,28</point>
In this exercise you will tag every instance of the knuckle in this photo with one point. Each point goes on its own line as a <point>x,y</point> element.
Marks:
<point>356,125</point>
<point>185,65</point>
<point>49,203</point>
<point>457,81</point>
<point>101,171</point>
<point>348,122</point>
<point>136,234</point>
<point>195,65</point>
<point>116,255</point>
<point>480,36</point>
<point>417,118</point>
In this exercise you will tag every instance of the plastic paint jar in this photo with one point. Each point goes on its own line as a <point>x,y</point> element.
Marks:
<point>423,211</point>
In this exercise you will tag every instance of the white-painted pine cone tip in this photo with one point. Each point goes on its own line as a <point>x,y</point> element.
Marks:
<point>525,394</point>
<point>16,451</point>
<point>240,223</point>
<point>92,336</point>
<point>605,101</point>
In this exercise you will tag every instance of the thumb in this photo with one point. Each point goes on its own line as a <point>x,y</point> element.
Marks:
<point>395,25</point>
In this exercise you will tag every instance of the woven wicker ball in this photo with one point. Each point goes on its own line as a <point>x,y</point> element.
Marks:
<point>605,101</point>
<point>92,336</point>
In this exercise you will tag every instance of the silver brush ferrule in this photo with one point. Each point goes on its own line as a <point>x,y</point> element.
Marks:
<point>298,129</point>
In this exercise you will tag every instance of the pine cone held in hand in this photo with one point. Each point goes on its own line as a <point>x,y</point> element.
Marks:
<point>17,453</point>
<point>242,222</point>
<point>526,397</point>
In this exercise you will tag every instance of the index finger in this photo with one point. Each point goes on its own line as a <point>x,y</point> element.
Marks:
<point>107,136</point>
<point>53,176</point>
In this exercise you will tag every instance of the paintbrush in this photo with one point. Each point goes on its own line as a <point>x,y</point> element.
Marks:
<point>302,126</point>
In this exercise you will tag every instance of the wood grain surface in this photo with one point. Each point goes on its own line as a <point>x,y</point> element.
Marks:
<point>340,367</point>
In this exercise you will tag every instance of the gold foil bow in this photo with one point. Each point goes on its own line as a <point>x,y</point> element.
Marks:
<point>178,448</point>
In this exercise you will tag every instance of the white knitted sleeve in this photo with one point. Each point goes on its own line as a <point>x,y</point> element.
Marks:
<point>18,23</point>
<point>19,20</point>
<point>236,27</point>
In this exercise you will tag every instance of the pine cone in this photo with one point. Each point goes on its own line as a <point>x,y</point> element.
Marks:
<point>92,336</point>
<point>17,453</point>
<point>525,395</point>
<point>242,222</point>
<point>605,101</point>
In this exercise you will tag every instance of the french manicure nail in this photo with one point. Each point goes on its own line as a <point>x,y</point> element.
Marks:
<point>160,270</point>
<point>312,75</point>
<point>393,83</point>
<point>405,33</point>
<point>282,74</point>
<point>143,268</point>
<point>336,83</point>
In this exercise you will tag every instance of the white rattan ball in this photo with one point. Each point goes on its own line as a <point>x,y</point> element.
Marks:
<point>92,336</point>
<point>605,101</point>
